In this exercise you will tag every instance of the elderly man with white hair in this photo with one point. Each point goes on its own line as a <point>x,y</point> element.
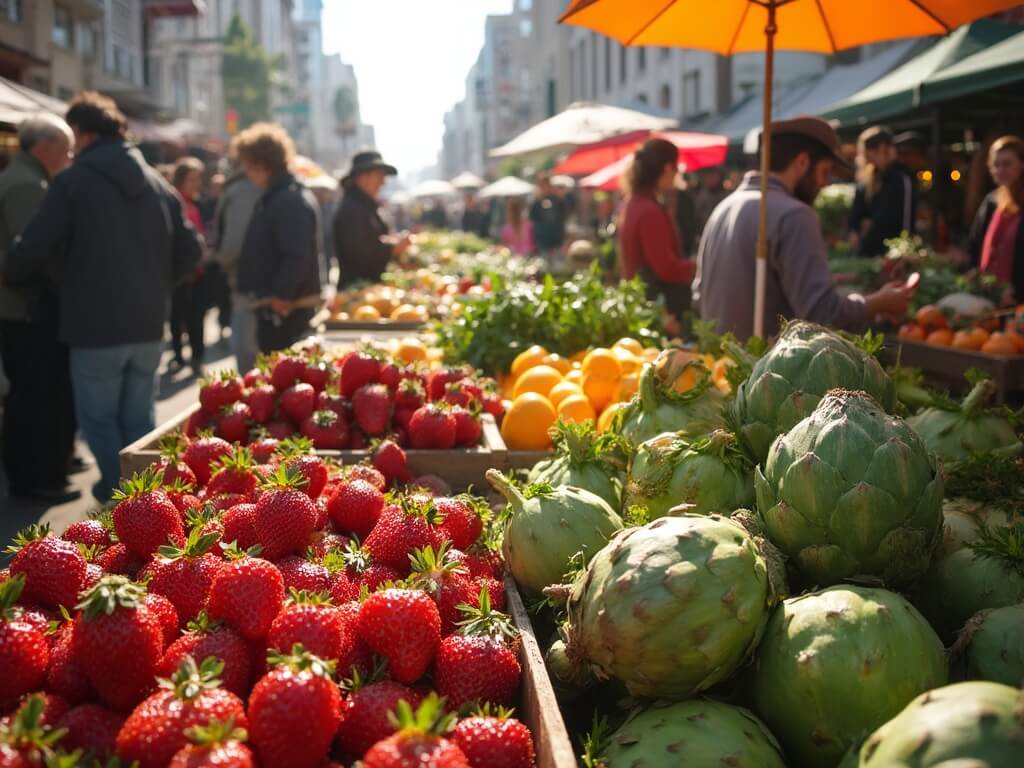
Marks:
<point>39,416</point>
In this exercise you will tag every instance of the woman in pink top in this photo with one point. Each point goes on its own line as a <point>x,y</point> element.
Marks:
<point>517,233</point>
<point>997,236</point>
<point>188,303</point>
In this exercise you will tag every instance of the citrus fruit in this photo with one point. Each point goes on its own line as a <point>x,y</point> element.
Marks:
<point>411,350</point>
<point>559,363</point>
<point>630,345</point>
<point>575,376</point>
<point>576,409</point>
<point>628,362</point>
<point>602,391</point>
<point>527,359</point>
<point>365,313</point>
<point>562,390</point>
<point>526,423</point>
<point>604,421</point>
<point>602,362</point>
<point>540,379</point>
<point>629,385</point>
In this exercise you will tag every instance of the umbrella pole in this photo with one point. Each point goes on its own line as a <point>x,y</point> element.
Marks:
<point>761,273</point>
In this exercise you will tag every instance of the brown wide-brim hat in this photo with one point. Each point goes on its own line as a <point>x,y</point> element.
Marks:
<point>364,162</point>
<point>813,128</point>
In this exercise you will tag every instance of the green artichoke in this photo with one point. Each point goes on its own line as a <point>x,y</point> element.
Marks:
<point>673,607</point>
<point>993,645</point>
<point>786,384</point>
<point>967,725</point>
<point>692,734</point>
<point>836,663</point>
<point>585,459</point>
<point>547,527</point>
<point>661,406</point>
<point>851,492</point>
<point>709,475</point>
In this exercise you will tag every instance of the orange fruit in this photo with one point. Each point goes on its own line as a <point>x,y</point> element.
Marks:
<point>366,313</point>
<point>562,390</point>
<point>602,391</point>
<point>576,409</point>
<point>407,313</point>
<point>411,350</point>
<point>911,332</point>
<point>943,337</point>
<point>526,423</point>
<point>686,381</point>
<point>1000,344</point>
<point>630,345</point>
<point>527,359</point>
<point>577,357</point>
<point>931,317</point>
<point>540,379</point>
<point>604,421</point>
<point>629,385</point>
<point>575,376</point>
<point>970,339</point>
<point>559,363</point>
<point>721,365</point>
<point>628,362</point>
<point>602,362</point>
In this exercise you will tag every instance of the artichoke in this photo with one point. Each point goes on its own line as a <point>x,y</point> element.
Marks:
<point>851,492</point>
<point>786,384</point>
<point>547,527</point>
<point>955,433</point>
<point>584,459</point>
<point>962,518</point>
<point>967,725</point>
<point>708,475</point>
<point>839,662</point>
<point>673,607</point>
<point>714,734</point>
<point>992,644</point>
<point>676,395</point>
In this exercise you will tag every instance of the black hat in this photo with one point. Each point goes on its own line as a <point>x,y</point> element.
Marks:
<point>813,128</point>
<point>363,162</point>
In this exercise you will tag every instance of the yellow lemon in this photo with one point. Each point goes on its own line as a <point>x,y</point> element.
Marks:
<point>576,409</point>
<point>526,423</point>
<point>540,379</point>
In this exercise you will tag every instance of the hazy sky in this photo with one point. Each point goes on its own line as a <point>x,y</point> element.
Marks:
<point>411,59</point>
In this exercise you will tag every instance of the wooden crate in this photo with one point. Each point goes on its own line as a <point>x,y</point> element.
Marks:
<point>946,366</point>
<point>538,707</point>
<point>394,326</point>
<point>460,468</point>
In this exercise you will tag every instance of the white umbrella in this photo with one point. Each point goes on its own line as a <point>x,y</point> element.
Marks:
<point>468,180</point>
<point>401,197</point>
<point>582,123</point>
<point>509,186</point>
<point>324,181</point>
<point>433,188</point>
<point>567,182</point>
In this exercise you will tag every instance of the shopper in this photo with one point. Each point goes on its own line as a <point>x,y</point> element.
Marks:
<point>279,271</point>
<point>548,214</point>
<point>997,237</point>
<point>883,207</point>
<point>475,220</point>
<point>217,289</point>
<point>361,240</point>
<point>517,232</point>
<point>189,302</point>
<point>648,239</point>
<point>38,413</point>
<point>112,232</point>
<point>712,191</point>
<point>436,216</point>
<point>231,221</point>
<point>799,283</point>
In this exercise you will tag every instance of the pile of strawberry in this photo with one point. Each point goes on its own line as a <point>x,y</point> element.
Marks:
<point>282,615</point>
<point>347,402</point>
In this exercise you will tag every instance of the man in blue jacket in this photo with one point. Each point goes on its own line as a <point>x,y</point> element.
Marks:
<point>111,232</point>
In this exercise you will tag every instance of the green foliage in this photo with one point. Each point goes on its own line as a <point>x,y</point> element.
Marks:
<point>247,71</point>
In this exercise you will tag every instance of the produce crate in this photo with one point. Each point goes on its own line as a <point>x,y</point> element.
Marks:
<point>538,707</point>
<point>947,366</point>
<point>460,467</point>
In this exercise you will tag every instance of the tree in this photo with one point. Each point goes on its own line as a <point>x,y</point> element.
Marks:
<point>247,72</point>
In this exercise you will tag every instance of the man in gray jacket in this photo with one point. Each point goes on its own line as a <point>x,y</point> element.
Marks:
<point>799,282</point>
<point>234,211</point>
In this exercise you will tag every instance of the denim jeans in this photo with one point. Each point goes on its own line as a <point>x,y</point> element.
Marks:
<point>115,388</point>
<point>244,345</point>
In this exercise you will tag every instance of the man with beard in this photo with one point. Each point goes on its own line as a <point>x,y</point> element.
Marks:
<point>799,283</point>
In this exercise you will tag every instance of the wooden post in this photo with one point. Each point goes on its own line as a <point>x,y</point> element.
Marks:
<point>761,274</point>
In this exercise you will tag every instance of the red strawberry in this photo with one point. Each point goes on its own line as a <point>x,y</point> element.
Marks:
<point>225,501</point>
<point>403,626</point>
<point>468,427</point>
<point>317,374</point>
<point>410,395</point>
<point>118,641</point>
<point>279,430</point>
<point>218,392</point>
<point>285,516</point>
<point>299,573</point>
<point>494,742</point>
<point>24,654</point>
<point>318,626</point>
<point>357,370</point>
<point>463,519</point>
<point>64,676</point>
<point>171,464</point>
<point>202,453</point>
<point>401,528</point>
<point>184,574</point>
<point>182,497</point>
<point>144,517</point>
<point>233,423</point>
<point>155,730</point>
<point>89,532</point>
<point>358,567</point>
<point>367,473</point>
<point>371,408</point>
<point>418,741</point>
<point>234,473</point>
<point>165,613</point>
<point>495,589</point>
<point>54,569</point>
<point>261,401</point>
<point>493,404</point>
<point>115,559</point>
<point>390,376</point>
<point>90,728</point>
<point>438,381</point>
<point>325,542</point>
<point>391,461</point>
<point>297,455</point>
<point>294,711</point>
<point>247,593</point>
<point>400,422</point>
<point>355,507</point>
<point>216,745</point>
<point>331,400</point>
<point>204,639</point>
<point>447,582</point>
<point>297,402</point>
<point>198,422</point>
<point>285,371</point>
<point>432,427</point>
<point>240,525</point>
<point>365,713</point>
<point>254,377</point>
<point>47,710</point>
<point>327,430</point>
<point>262,446</point>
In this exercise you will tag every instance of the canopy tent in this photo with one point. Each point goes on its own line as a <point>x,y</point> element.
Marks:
<point>434,188</point>
<point>1002,64</point>
<point>696,151</point>
<point>581,123</point>
<point>467,180</point>
<point>901,90</point>
<point>508,186</point>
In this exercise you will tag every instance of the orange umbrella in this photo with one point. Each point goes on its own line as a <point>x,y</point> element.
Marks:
<point>742,26</point>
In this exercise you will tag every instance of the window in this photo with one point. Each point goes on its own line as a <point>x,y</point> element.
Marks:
<point>623,65</point>
<point>525,5</point>
<point>60,32</point>
<point>525,27</point>
<point>641,59</point>
<point>551,101</point>
<point>10,10</point>
<point>691,93</point>
<point>607,64</point>
<point>665,97</point>
<point>87,40</point>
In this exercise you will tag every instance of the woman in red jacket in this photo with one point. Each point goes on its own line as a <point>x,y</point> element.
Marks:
<point>649,244</point>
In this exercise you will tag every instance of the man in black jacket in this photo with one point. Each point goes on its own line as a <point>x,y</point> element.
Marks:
<point>111,232</point>
<point>361,239</point>
<point>883,207</point>
<point>280,268</point>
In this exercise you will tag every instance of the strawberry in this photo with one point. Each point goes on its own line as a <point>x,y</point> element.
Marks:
<point>431,485</point>
<point>285,516</point>
<point>53,708</point>
<point>233,473</point>
<point>294,710</point>
<point>331,400</point>
<point>438,381</point>
<point>296,454</point>
<point>410,395</point>
<point>400,423</point>
<point>202,453</point>
<point>390,460</point>
<point>225,501</point>
<point>144,517</point>
<point>64,676</point>
<point>204,639</point>
<point>403,626</point>
<point>183,574</point>
<point>182,497</point>
<point>25,737</point>
<point>357,566</point>
<point>115,559</point>
<point>279,430</point>
<point>89,532</point>
<point>359,369</point>
<point>172,447</point>
<point>54,569</point>
<point>365,472</point>
<point>286,371</point>
<point>390,376</point>
<point>155,730</point>
<point>24,654</point>
<point>494,741</point>
<point>371,409</point>
<point>325,542</point>
<point>317,374</point>
<point>468,427</point>
<point>418,740</point>
<point>446,581</point>
<point>432,426</point>
<point>91,728</point>
<point>463,519</point>
<point>218,744</point>
<point>355,507</point>
<point>198,422</point>
<point>262,445</point>
<point>321,628</point>
<point>401,528</point>
<point>493,404</point>
<point>365,712</point>
<point>297,402</point>
<point>327,430</point>
<point>233,423</point>
<point>299,573</point>
<point>218,392</point>
<point>165,613</point>
<point>247,593</point>
<point>118,641</point>
<point>240,525</point>
<point>261,401</point>
<point>254,377</point>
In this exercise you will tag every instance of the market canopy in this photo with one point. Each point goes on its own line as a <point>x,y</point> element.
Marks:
<point>696,151</point>
<point>433,188</point>
<point>581,123</point>
<point>1002,64</point>
<point>508,186</point>
<point>467,180</point>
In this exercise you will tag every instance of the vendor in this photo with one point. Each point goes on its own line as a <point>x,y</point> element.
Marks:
<point>361,240</point>
<point>997,237</point>
<point>883,207</point>
<point>799,283</point>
